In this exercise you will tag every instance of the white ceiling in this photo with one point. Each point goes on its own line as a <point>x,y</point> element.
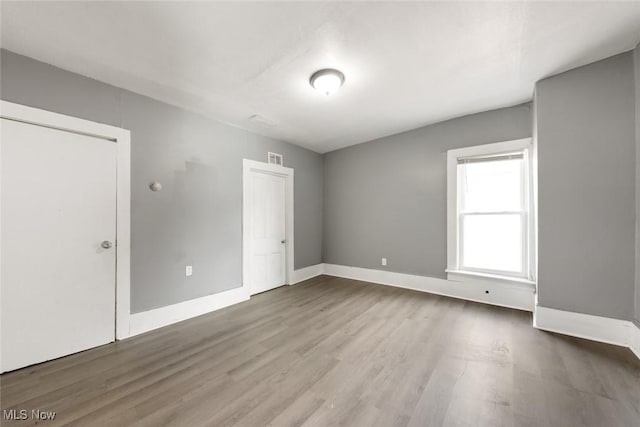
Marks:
<point>406,64</point>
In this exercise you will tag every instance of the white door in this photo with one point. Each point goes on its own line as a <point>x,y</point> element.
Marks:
<point>58,206</point>
<point>267,232</point>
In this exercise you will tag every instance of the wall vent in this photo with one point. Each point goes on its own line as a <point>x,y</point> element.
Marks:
<point>275,159</point>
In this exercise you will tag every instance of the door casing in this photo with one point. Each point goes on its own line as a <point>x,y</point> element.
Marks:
<point>121,137</point>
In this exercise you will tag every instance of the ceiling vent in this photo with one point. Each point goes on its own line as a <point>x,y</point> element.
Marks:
<point>262,121</point>
<point>275,159</point>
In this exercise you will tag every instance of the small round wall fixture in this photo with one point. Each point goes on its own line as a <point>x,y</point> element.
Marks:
<point>155,186</point>
<point>327,80</point>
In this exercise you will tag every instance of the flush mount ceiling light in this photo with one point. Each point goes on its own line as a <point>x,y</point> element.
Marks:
<point>327,81</point>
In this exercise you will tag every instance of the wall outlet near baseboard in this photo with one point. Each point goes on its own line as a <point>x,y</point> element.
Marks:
<point>384,261</point>
<point>188,271</point>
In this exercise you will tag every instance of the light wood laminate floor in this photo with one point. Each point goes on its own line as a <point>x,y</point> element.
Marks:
<point>338,352</point>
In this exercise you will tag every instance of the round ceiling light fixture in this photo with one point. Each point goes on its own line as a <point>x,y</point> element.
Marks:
<point>327,80</point>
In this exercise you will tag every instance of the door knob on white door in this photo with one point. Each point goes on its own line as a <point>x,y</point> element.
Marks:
<point>106,244</point>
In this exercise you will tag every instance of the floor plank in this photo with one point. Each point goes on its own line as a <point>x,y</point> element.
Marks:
<point>331,352</point>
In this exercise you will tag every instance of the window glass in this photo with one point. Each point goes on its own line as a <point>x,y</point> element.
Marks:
<point>492,242</point>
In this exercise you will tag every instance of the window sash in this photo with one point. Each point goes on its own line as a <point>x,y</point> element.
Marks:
<point>491,158</point>
<point>522,212</point>
<point>462,178</point>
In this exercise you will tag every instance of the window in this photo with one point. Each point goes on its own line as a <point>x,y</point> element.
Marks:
<point>490,224</point>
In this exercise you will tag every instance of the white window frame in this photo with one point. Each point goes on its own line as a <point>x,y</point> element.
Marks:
<point>454,230</point>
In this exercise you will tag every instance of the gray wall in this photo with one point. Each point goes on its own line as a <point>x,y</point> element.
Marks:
<point>196,218</point>
<point>586,189</point>
<point>387,198</point>
<point>636,55</point>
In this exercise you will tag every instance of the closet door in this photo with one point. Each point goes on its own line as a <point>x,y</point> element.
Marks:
<point>58,252</point>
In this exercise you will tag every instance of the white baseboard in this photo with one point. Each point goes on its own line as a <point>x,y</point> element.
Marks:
<point>306,273</point>
<point>634,341</point>
<point>148,320</point>
<point>595,328</point>
<point>501,294</point>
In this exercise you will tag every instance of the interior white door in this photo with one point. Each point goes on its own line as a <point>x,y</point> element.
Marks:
<point>268,232</point>
<point>58,210</point>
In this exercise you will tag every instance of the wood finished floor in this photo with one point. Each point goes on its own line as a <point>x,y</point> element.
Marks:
<point>337,352</point>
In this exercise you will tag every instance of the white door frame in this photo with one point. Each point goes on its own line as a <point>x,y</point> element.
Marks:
<point>249,166</point>
<point>121,137</point>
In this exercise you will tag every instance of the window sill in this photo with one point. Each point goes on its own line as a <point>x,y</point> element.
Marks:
<point>461,275</point>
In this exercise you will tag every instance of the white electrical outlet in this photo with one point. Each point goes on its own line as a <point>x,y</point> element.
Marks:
<point>384,261</point>
<point>189,270</point>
